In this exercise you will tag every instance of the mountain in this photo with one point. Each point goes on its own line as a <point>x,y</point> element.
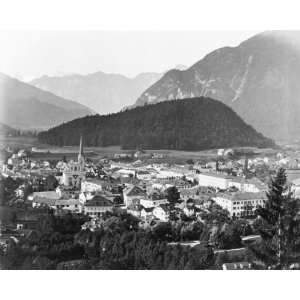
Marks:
<point>27,107</point>
<point>105,93</point>
<point>190,124</point>
<point>259,79</point>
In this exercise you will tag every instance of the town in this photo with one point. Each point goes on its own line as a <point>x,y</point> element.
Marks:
<point>208,205</point>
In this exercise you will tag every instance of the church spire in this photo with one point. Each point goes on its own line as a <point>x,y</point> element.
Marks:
<point>80,154</point>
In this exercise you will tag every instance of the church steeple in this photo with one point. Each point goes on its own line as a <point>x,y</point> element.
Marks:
<point>80,154</point>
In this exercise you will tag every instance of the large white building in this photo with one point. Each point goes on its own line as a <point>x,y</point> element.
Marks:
<point>74,173</point>
<point>224,182</point>
<point>241,204</point>
<point>215,180</point>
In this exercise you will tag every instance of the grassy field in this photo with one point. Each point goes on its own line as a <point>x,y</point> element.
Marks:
<point>70,152</point>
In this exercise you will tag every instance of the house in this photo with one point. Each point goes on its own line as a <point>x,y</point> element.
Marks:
<point>97,206</point>
<point>161,212</point>
<point>91,185</point>
<point>132,194</point>
<point>240,204</point>
<point>41,202</point>
<point>47,198</point>
<point>152,202</point>
<point>135,209</point>
<point>143,175</point>
<point>147,212</point>
<point>190,210</point>
<point>73,205</point>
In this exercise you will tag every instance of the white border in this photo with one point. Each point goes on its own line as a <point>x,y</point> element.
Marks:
<point>148,15</point>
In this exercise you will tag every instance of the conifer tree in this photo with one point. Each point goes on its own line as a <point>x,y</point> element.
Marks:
<point>280,226</point>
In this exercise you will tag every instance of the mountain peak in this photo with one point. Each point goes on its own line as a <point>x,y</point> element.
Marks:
<point>258,79</point>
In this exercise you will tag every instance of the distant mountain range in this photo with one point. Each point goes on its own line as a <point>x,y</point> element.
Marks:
<point>190,124</point>
<point>259,80</point>
<point>104,93</point>
<point>26,107</point>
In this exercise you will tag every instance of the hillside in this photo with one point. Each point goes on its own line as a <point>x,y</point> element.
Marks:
<point>259,79</point>
<point>191,124</point>
<point>104,93</point>
<point>7,131</point>
<point>26,107</point>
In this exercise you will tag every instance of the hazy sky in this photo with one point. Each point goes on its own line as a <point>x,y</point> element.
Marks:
<point>31,54</point>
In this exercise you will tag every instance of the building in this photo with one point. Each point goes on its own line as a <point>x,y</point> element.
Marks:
<point>215,180</point>
<point>91,185</point>
<point>73,205</point>
<point>222,181</point>
<point>74,173</point>
<point>97,206</point>
<point>135,209</point>
<point>152,202</point>
<point>133,194</point>
<point>36,196</point>
<point>240,204</point>
<point>147,212</point>
<point>143,175</point>
<point>161,212</point>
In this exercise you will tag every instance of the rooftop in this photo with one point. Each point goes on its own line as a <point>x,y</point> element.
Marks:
<point>99,200</point>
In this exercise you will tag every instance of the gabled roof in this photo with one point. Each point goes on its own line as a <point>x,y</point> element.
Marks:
<point>134,191</point>
<point>148,209</point>
<point>99,200</point>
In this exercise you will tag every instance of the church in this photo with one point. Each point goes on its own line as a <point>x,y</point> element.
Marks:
<point>74,173</point>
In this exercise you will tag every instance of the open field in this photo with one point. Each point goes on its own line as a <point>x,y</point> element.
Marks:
<point>49,152</point>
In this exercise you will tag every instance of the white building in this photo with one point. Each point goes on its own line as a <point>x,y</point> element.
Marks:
<point>161,212</point>
<point>221,181</point>
<point>215,180</point>
<point>241,204</point>
<point>91,185</point>
<point>143,175</point>
<point>153,202</point>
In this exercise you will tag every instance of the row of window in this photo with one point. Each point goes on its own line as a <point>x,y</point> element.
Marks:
<point>249,202</point>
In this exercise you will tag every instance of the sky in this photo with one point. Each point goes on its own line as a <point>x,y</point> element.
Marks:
<point>30,54</point>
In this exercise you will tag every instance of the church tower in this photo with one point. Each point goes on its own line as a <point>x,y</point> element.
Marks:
<point>74,173</point>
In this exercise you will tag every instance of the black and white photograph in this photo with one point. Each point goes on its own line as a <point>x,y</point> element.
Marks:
<point>150,149</point>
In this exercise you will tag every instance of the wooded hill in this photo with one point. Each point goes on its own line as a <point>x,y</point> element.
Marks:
<point>191,124</point>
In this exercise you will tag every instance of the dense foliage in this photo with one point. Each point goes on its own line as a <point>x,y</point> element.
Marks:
<point>59,243</point>
<point>192,124</point>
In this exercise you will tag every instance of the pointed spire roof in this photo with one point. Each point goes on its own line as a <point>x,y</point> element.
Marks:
<point>81,146</point>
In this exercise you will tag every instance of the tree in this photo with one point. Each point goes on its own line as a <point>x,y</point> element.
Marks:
<point>172,194</point>
<point>279,227</point>
<point>51,183</point>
